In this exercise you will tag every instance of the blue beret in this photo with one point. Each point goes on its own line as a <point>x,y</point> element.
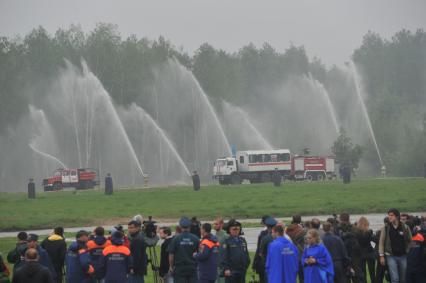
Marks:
<point>184,222</point>
<point>270,221</point>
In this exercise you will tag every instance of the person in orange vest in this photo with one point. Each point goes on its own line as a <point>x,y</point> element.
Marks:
<point>79,268</point>
<point>207,255</point>
<point>116,261</point>
<point>95,246</point>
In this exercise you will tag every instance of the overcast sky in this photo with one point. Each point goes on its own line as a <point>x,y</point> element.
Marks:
<point>329,29</point>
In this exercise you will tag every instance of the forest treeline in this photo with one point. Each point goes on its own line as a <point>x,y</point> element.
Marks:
<point>393,72</point>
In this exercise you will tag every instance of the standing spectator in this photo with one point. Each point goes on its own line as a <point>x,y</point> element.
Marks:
<point>116,262</point>
<point>282,260</point>
<point>316,224</point>
<point>337,250</point>
<point>297,235</point>
<point>17,255</point>
<point>258,266</point>
<point>166,235</point>
<point>32,271</point>
<point>394,245</point>
<point>270,222</point>
<point>4,271</point>
<point>207,255</point>
<point>221,236</point>
<point>317,262</point>
<point>236,258</point>
<point>44,258</point>
<point>416,260</point>
<point>138,252</point>
<point>96,246</point>
<point>56,247</point>
<point>79,268</point>
<point>364,236</point>
<point>181,250</point>
<point>380,269</point>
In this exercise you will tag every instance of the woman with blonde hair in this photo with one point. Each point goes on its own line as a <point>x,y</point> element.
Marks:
<point>316,260</point>
<point>363,252</point>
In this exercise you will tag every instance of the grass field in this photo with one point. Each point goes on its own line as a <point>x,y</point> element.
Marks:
<point>85,208</point>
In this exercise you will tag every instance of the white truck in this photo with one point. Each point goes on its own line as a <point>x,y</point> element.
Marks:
<point>257,166</point>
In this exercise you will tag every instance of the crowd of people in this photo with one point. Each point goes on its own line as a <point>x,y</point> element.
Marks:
<point>311,252</point>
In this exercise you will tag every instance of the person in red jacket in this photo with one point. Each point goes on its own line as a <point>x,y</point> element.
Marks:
<point>116,262</point>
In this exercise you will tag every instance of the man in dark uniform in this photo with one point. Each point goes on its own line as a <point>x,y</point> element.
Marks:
<point>196,181</point>
<point>108,185</point>
<point>270,222</point>
<point>276,178</point>
<point>236,258</point>
<point>257,261</point>
<point>181,250</point>
<point>207,256</point>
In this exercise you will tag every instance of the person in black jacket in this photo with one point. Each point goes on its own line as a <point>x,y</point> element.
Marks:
<point>337,250</point>
<point>16,256</point>
<point>138,252</point>
<point>31,270</point>
<point>166,236</point>
<point>364,236</point>
<point>56,247</point>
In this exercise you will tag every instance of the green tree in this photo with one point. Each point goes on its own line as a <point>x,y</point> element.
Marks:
<point>347,154</point>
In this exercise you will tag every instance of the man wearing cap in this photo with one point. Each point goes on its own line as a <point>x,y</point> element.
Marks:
<point>16,256</point>
<point>270,222</point>
<point>32,271</point>
<point>181,249</point>
<point>56,247</point>
<point>44,258</point>
<point>236,258</point>
<point>79,268</point>
<point>116,262</point>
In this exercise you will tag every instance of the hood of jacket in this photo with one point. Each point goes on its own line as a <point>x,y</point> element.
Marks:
<point>100,240</point>
<point>211,238</point>
<point>55,237</point>
<point>77,245</point>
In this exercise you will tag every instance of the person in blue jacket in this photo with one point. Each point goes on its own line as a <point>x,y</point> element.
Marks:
<point>116,260</point>
<point>282,259</point>
<point>316,260</point>
<point>79,268</point>
<point>207,255</point>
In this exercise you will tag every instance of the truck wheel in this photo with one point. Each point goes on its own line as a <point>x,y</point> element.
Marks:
<point>235,179</point>
<point>57,186</point>
<point>265,178</point>
<point>309,177</point>
<point>320,177</point>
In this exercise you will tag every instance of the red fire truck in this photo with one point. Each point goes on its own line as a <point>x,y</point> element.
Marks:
<point>83,178</point>
<point>312,167</point>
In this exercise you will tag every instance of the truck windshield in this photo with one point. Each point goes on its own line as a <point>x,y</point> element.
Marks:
<point>221,162</point>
